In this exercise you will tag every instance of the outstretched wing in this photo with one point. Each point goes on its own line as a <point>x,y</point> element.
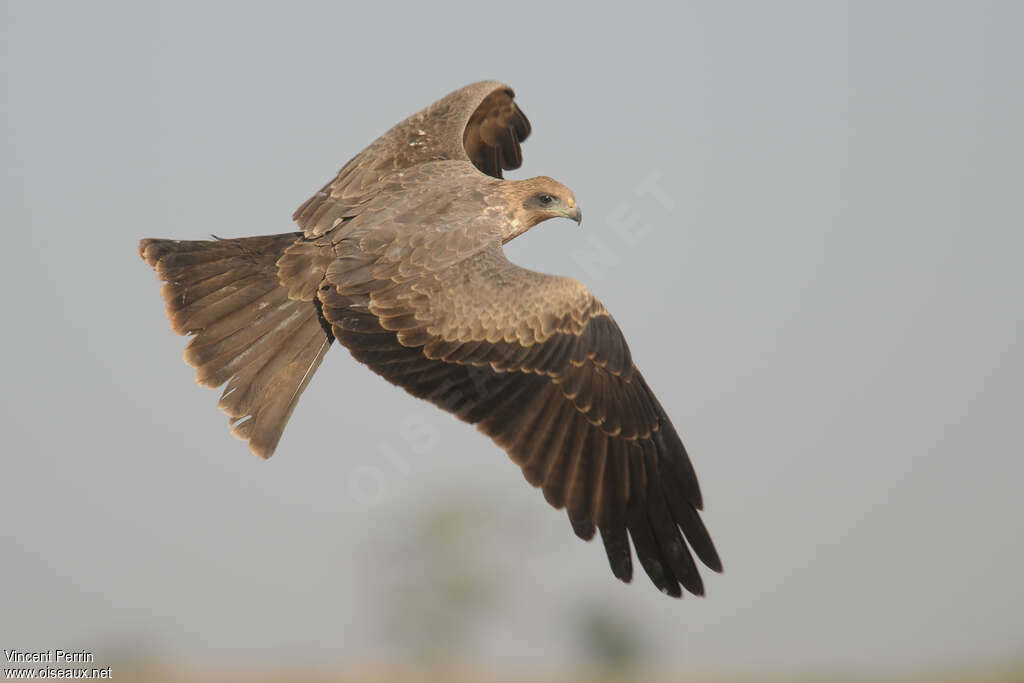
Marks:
<point>538,364</point>
<point>479,124</point>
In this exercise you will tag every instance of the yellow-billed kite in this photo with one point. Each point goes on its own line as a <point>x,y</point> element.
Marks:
<point>400,260</point>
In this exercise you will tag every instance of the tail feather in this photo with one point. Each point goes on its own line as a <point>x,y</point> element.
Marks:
<point>273,407</point>
<point>178,301</point>
<point>237,333</point>
<point>240,296</point>
<point>247,332</point>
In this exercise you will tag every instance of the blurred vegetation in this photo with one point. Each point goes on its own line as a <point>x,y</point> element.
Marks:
<point>608,642</point>
<point>161,674</point>
<point>438,583</point>
<point>437,586</point>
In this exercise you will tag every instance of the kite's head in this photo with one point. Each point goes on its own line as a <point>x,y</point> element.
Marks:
<point>538,199</point>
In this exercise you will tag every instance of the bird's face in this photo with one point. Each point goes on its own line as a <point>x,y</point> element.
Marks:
<point>545,198</point>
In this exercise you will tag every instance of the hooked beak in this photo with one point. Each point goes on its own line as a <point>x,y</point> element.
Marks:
<point>575,214</point>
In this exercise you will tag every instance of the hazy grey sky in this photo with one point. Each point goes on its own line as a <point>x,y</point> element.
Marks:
<point>827,300</point>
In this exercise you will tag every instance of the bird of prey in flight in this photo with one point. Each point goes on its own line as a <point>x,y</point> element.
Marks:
<point>399,259</point>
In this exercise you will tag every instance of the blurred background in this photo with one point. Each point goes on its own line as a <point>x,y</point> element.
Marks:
<point>805,216</point>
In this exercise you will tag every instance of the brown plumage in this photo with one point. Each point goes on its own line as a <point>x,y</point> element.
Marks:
<point>400,259</point>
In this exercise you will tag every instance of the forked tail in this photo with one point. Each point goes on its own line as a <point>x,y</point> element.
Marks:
<point>248,333</point>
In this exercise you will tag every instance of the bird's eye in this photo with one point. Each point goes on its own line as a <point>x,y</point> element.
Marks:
<point>546,199</point>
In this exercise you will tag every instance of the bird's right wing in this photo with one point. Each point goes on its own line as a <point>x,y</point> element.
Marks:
<point>538,364</point>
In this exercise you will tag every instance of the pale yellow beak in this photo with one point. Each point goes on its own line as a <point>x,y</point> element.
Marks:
<point>574,211</point>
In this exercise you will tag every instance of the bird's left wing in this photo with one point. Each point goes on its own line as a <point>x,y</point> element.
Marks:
<point>479,125</point>
<point>538,364</point>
